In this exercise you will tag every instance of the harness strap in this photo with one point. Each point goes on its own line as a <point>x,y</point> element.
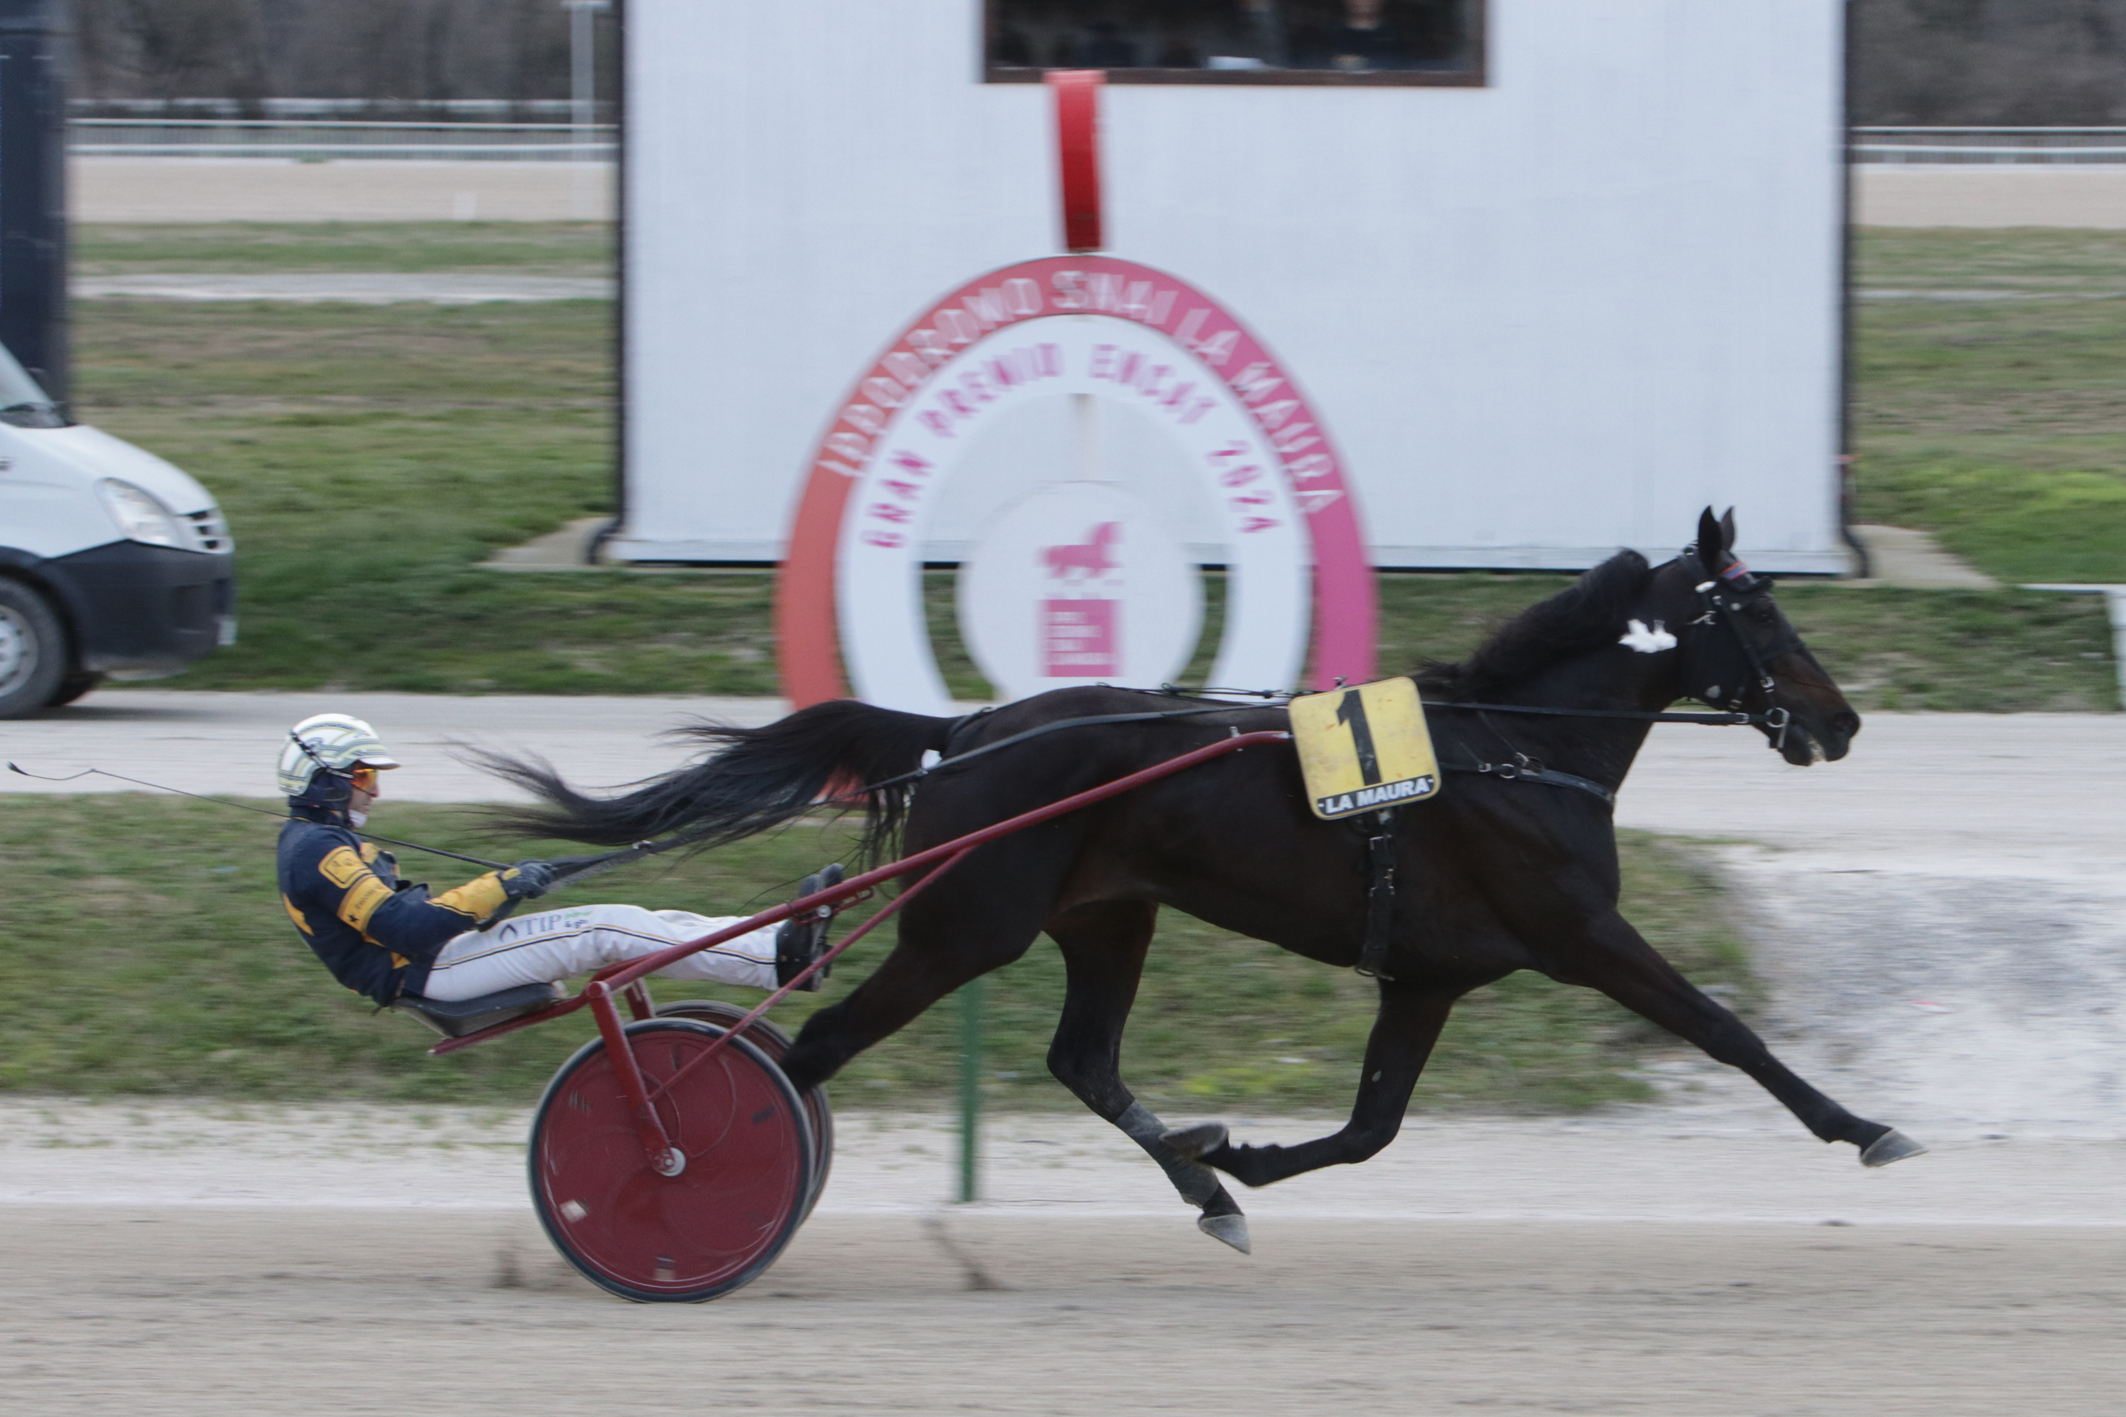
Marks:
<point>1726,718</point>
<point>1144,716</point>
<point>586,867</point>
<point>1380,900</point>
<point>1528,771</point>
<point>1536,772</point>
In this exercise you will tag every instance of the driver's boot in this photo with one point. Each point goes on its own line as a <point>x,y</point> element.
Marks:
<point>803,938</point>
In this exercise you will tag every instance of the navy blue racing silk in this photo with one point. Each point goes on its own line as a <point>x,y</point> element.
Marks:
<point>377,934</point>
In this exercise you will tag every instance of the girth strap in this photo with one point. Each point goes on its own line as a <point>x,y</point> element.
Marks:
<point>1380,901</point>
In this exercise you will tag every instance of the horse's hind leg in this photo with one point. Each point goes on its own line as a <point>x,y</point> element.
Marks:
<point>958,931</point>
<point>1634,974</point>
<point>1103,955</point>
<point>1407,1026</point>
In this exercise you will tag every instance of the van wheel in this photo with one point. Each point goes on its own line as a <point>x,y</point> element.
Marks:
<point>32,651</point>
<point>72,687</point>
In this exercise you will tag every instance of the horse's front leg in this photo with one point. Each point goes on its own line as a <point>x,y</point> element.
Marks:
<point>1616,959</point>
<point>1103,948</point>
<point>1410,1019</point>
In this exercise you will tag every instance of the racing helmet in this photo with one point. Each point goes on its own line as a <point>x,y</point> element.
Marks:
<point>322,751</point>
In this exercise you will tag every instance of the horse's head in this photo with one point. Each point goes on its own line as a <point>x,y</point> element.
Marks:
<point>1737,650</point>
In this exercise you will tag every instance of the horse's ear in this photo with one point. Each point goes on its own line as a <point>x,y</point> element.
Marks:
<point>1727,532</point>
<point>1712,551</point>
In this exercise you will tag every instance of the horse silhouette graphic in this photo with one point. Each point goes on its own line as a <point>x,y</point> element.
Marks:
<point>1088,557</point>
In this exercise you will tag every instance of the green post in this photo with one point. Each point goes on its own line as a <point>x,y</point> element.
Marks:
<point>970,1091</point>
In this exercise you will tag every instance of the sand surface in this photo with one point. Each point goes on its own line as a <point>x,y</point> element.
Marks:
<point>232,1313</point>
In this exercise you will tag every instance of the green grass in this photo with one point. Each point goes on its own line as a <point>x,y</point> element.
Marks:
<point>369,456</point>
<point>2033,259</point>
<point>246,248</point>
<point>143,950</point>
<point>1998,424</point>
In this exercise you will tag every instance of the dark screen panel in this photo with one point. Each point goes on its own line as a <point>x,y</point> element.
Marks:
<point>1239,41</point>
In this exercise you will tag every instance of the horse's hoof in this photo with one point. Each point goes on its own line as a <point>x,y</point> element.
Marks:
<point>1190,1142</point>
<point>1892,1145</point>
<point>1232,1229</point>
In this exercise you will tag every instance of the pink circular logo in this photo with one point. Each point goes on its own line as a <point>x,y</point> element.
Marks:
<point>1170,350</point>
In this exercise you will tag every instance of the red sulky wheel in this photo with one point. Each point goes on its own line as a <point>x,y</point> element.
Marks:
<point>772,1041</point>
<point>720,1222</point>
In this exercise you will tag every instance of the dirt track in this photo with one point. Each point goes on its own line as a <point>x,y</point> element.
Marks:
<point>276,1312</point>
<point>1939,918</point>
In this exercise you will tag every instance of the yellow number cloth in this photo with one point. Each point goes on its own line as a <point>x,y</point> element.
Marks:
<point>1364,747</point>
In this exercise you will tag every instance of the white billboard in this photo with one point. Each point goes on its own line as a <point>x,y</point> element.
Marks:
<point>1544,316</point>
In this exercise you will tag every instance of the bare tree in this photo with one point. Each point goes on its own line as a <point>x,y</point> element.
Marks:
<point>171,48</point>
<point>382,50</point>
<point>1915,61</point>
<point>2033,62</point>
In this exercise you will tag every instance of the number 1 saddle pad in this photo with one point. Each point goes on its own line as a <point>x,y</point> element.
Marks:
<point>1364,747</point>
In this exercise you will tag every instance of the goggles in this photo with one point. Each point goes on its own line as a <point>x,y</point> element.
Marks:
<point>363,779</point>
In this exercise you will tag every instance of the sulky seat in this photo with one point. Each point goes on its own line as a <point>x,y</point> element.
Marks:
<point>454,1018</point>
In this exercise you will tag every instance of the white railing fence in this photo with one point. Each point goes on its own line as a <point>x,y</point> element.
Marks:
<point>319,140</point>
<point>1973,146</point>
<point>295,134</point>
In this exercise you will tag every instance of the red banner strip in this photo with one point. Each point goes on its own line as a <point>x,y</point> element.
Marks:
<point>1078,154</point>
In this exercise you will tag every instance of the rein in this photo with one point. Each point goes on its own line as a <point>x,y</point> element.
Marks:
<point>1774,717</point>
<point>1717,608</point>
<point>1523,769</point>
<point>247,807</point>
<point>1527,769</point>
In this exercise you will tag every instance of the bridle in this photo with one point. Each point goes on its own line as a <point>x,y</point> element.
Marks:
<point>1722,600</point>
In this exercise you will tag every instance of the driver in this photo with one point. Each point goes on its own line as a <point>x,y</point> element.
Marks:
<point>385,937</point>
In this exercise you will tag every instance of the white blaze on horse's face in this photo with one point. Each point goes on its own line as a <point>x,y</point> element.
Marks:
<point>1644,641</point>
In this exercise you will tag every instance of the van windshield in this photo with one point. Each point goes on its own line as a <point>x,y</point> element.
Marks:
<point>22,402</point>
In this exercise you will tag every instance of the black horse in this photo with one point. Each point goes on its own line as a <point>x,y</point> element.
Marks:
<point>1507,869</point>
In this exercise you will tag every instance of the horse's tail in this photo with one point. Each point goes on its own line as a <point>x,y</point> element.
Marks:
<point>762,778</point>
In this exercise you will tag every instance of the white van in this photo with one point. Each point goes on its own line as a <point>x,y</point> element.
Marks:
<point>113,563</point>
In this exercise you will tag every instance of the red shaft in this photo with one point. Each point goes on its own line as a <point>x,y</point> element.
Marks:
<point>649,964</point>
<point>618,977</point>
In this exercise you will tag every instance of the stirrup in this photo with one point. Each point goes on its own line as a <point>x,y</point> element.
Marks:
<point>802,938</point>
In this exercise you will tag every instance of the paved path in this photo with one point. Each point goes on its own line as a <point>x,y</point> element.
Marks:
<point>226,742</point>
<point>157,189</point>
<point>2027,785</point>
<point>2082,195</point>
<point>186,189</point>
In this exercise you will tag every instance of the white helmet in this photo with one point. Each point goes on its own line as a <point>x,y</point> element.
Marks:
<point>334,742</point>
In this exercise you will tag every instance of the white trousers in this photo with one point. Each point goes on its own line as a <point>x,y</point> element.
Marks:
<point>558,944</point>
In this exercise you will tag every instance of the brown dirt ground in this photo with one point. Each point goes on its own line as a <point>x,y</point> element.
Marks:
<point>275,1311</point>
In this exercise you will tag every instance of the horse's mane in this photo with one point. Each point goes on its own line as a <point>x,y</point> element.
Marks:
<point>1584,617</point>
